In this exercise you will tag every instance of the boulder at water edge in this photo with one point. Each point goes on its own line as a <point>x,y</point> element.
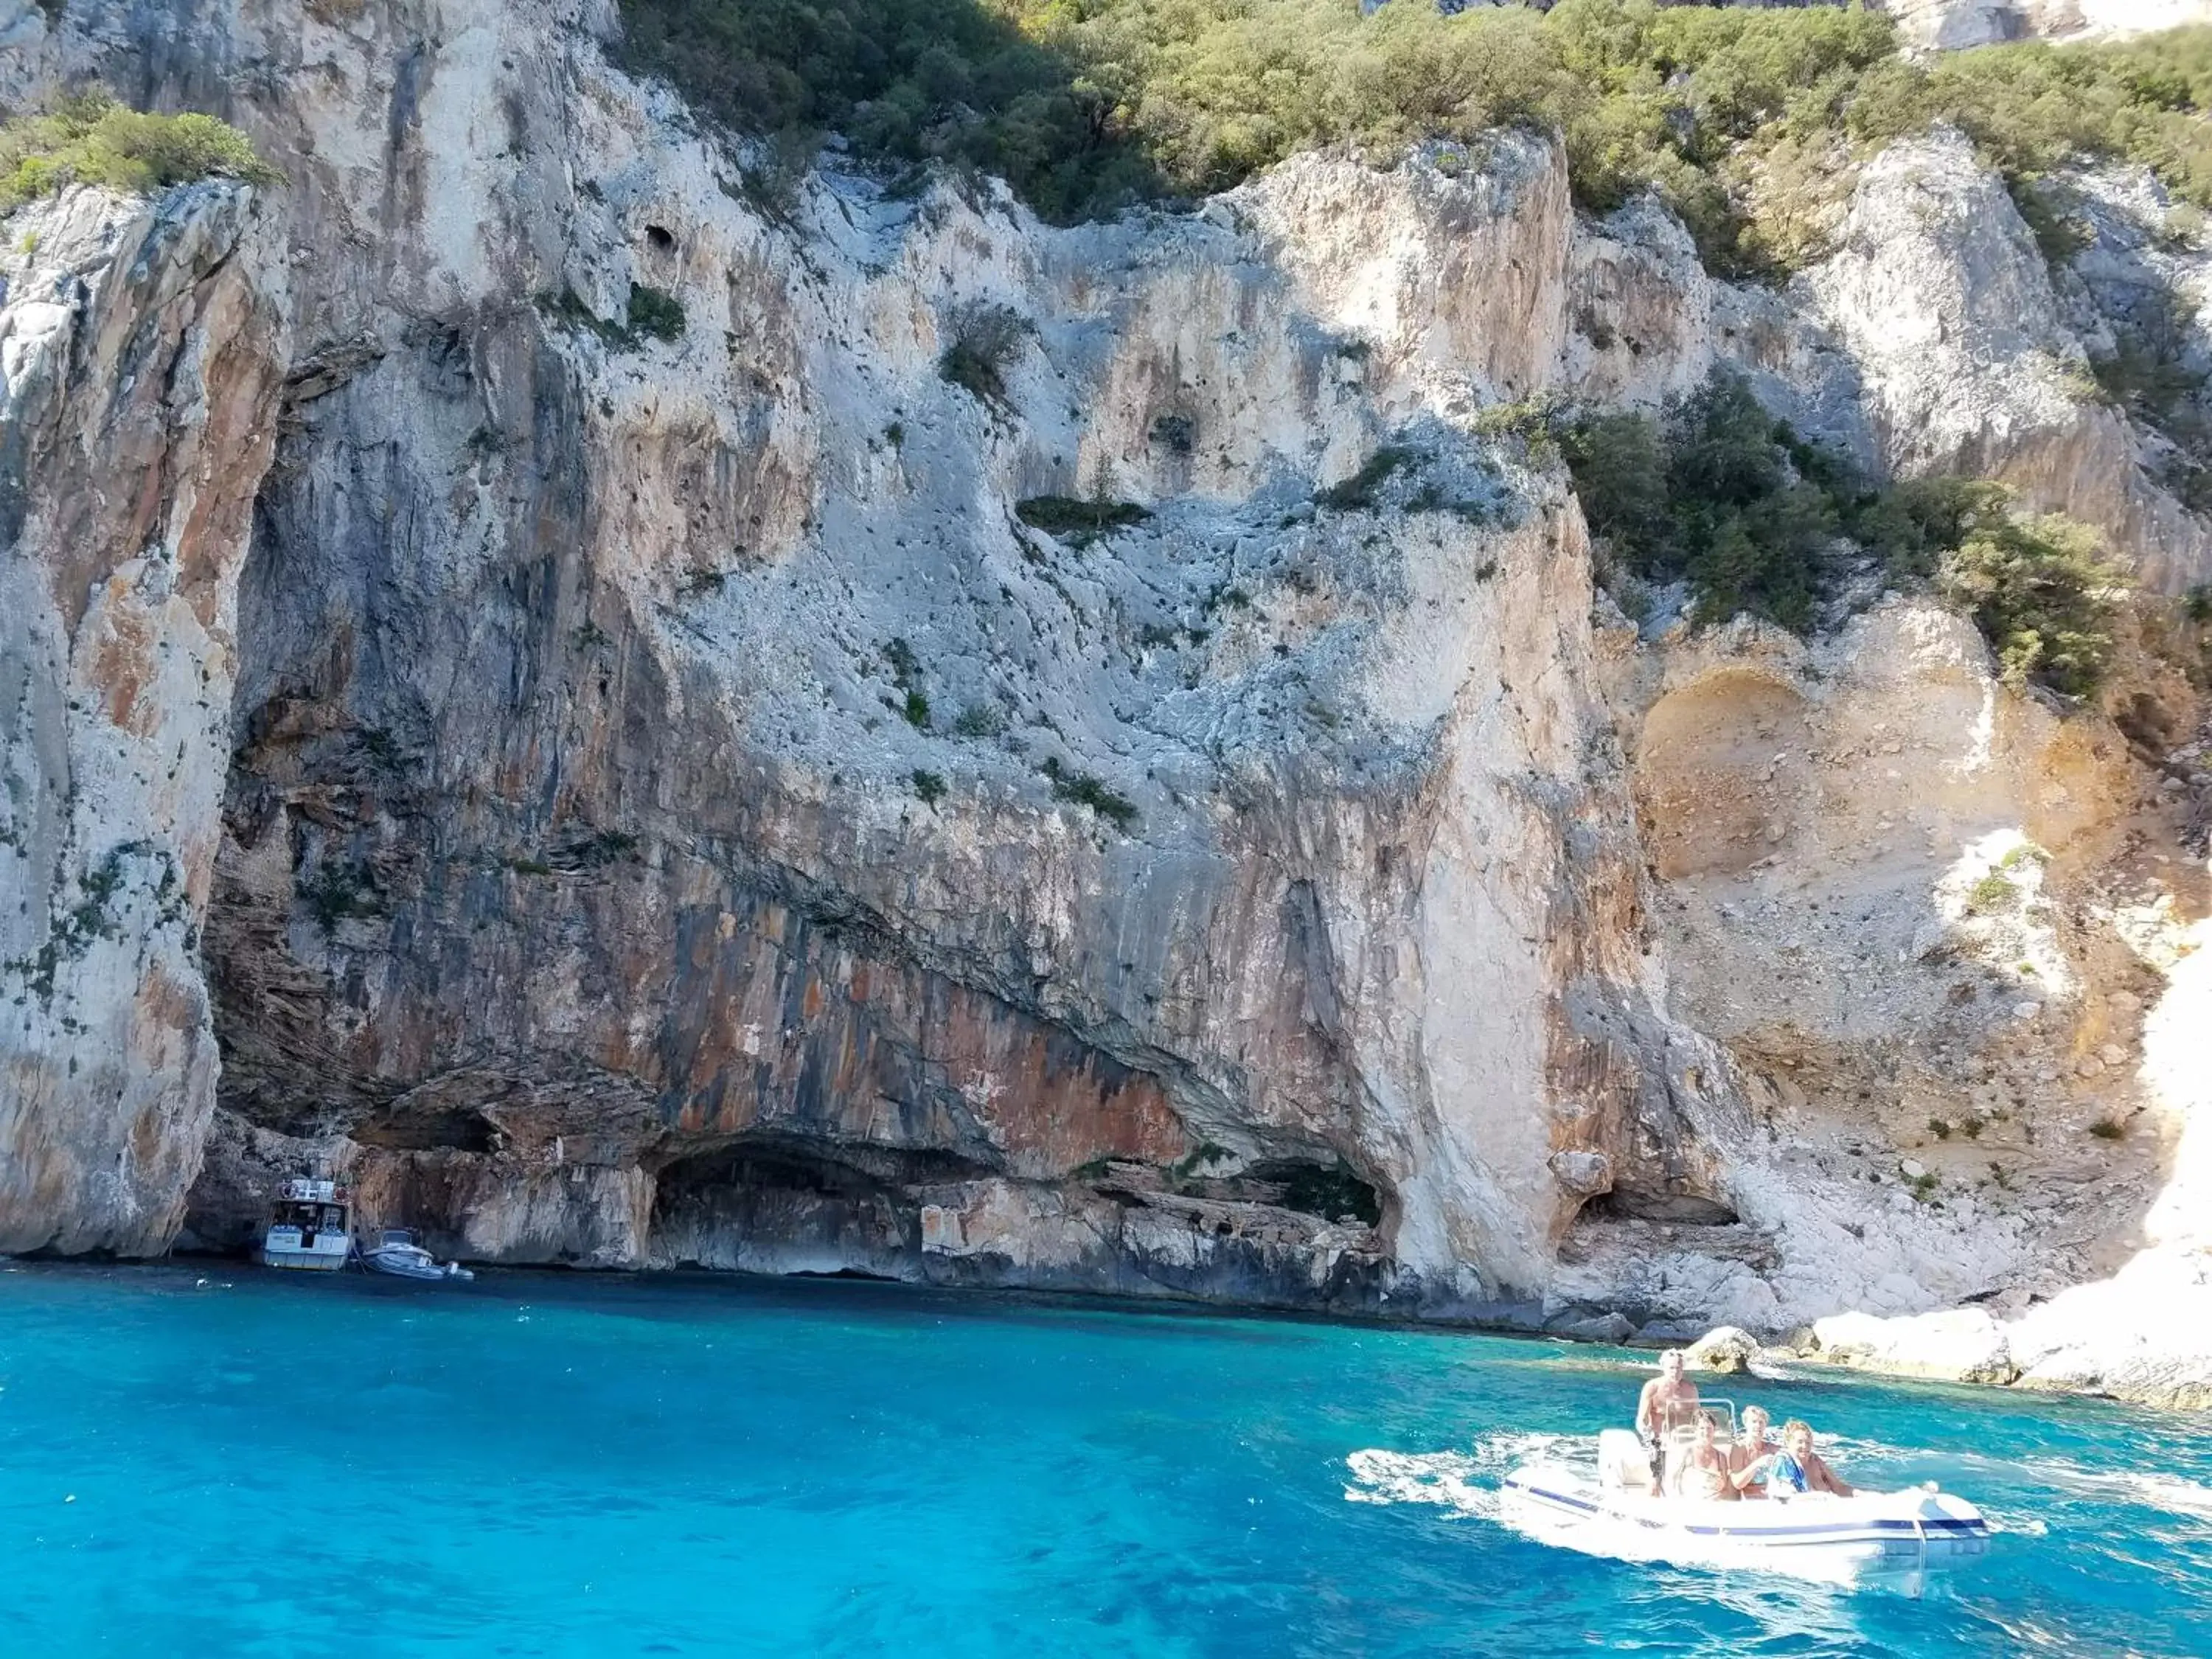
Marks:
<point>1725,1349</point>
<point>1964,1345</point>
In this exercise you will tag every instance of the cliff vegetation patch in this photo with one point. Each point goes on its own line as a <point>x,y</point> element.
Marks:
<point>1077,522</point>
<point>1746,120</point>
<point>982,343</point>
<point>94,140</point>
<point>651,314</point>
<point>1087,789</point>
<point>1719,494</point>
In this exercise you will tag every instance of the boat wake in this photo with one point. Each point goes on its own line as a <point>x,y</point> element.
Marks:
<point>1465,1483</point>
<point>2186,1500</point>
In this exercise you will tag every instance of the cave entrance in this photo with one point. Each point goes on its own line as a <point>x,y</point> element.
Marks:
<point>1330,1191</point>
<point>777,1207</point>
<point>1680,1209</point>
<point>428,1129</point>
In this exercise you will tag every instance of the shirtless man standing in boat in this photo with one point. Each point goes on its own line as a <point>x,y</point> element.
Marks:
<point>1666,1403</point>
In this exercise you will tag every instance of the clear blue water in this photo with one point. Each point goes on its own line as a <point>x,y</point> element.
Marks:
<point>552,1465</point>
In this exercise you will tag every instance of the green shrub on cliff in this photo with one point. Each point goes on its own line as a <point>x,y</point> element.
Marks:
<point>1717,493</point>
<point>94,140</point>
<point>1720,493</point>
<point>1745,119</point>
<point>2043,593</point>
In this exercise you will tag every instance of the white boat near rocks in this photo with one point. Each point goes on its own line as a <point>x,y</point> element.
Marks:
<point>310,1227</point>
<point>1615,1513</point>
<point>399,1253</point>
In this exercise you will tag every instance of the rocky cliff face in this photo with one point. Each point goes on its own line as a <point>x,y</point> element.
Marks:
<point>1957,23</point>
<point>140,348</point>
<point>672,775</point>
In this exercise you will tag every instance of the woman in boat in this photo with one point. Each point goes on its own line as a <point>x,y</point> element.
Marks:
<point>1705,1467</point>
<point>1749,1457</point>
<point>1798,1469</point>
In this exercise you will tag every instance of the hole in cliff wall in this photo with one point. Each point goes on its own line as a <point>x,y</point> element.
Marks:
<point>660,239</point>
<point>429,1129</point>
<point>1640,1204</point>
<point>781,1208</point>
<point>1331,1191</point>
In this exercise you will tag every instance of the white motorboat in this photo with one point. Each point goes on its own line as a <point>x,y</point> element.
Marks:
<point>1614,1512</point>
<point>397,1252</point>
<point>310,1227</point>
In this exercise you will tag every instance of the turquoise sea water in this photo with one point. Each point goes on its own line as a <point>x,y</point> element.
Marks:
<point>542,1464</point>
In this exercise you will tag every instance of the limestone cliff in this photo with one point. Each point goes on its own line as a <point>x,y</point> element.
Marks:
<point>140,348</point>
<point>1956,23</point>
<point>812,728</point>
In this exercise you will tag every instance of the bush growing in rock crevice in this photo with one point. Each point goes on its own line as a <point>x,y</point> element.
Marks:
<point>650,314</point>
<point>982,341</point>
<point>913,704</point>
<point>2041,590</point>
<point>1086,789</point>
<point>1077,522</point>
<point>94,140</point>
<point>1720,493</point>
<point>653,315</point>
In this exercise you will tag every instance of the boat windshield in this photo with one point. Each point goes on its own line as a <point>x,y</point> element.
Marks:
<point>1680,1422</point>
<point>326,1218</point>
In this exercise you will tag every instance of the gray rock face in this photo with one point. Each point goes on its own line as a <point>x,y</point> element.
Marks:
<point>1954,24</point>
<point>1945,303</point>
<point>982,753</point>
<point>138,347</point>
<point>680,811</point>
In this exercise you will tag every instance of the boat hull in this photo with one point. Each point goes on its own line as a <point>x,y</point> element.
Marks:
<point>312,1261</point>
<point>1870,1526</point>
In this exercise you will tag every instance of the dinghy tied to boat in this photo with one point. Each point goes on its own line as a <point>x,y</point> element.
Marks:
<point>400,1254</point>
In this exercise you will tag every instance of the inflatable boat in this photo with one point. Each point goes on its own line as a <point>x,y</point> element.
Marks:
<point>1617,1510</point>
<point>399,1253</point>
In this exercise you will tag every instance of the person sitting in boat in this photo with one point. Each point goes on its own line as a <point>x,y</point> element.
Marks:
<point>1666,1403</point>
<point>1749,1457</point>
<point>1704,1471</point>
<point>1797,1468</point>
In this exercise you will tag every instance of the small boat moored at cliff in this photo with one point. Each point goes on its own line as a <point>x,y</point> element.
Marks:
<point>310,1227</point>
<point>397,1252</point>
<point>1615,1514</point>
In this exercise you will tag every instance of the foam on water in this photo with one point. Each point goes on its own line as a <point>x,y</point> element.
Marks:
<point>1466,1483</point>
